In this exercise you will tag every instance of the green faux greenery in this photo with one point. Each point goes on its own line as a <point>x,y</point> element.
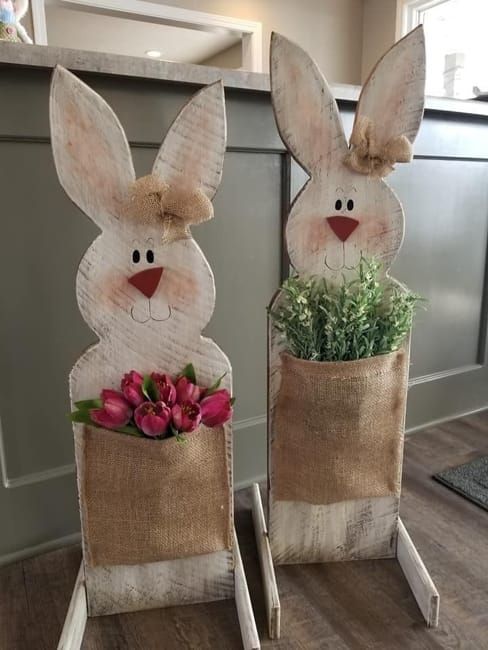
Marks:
<point>362,317</point>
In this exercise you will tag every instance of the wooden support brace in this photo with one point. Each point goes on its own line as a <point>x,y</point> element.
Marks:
<point>271,596</point>
<point>417,576</point>
<point>76,617</point>
<point>249,632</point>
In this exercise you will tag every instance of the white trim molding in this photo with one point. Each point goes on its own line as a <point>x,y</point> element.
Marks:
<point>249,31</point>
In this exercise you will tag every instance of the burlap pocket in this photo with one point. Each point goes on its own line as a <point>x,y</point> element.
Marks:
<point>338,429</point>
<point>151,500</point>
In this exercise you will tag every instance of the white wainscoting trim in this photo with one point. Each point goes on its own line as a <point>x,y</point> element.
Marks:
<point>37,477</point>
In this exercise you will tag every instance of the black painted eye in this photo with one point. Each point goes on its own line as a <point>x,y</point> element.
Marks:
<point>150,257</point>
<point>136,256</point>
<point>350,204</point>
<point>338,204</point>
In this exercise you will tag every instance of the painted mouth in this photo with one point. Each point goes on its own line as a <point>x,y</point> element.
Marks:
<point>150,317</point>
<point>342,266</point>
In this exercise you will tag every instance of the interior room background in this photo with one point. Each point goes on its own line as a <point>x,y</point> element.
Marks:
<point>444,193</point>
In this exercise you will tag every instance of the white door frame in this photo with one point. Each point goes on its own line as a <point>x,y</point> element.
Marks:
<point>249,31</point>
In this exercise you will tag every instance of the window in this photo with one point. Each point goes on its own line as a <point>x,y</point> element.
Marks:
<point>456,42</point>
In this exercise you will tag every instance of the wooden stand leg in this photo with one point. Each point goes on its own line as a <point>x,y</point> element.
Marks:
<point>249,632</point>
<point>418,578</point>
<point>271,596</point>
<point>75,621</point>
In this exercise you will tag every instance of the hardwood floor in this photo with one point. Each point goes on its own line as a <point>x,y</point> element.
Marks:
<point>359,605</point>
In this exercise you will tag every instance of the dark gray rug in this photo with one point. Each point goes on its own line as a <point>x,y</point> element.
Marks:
<point>470,480</point>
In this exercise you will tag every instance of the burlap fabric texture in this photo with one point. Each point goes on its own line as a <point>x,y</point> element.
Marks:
<point>338,429</point>
<point>174,208</point>
<point>150,500</point>
<point>368,155</point>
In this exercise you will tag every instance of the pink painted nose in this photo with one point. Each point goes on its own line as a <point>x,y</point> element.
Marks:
<point>343,227</point>
<point>147,281</point>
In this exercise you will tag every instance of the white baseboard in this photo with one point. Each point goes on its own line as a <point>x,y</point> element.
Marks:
<point>45,547</point>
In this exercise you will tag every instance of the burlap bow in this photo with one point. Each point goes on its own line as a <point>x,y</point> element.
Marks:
<point>175,207</point>
<point>368,156</point>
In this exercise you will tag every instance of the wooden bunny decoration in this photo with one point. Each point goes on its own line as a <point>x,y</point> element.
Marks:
<point>344,212</point>
<point>147,291</point>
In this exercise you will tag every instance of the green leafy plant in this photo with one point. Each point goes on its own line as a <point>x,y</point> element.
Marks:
<point>362,317</point>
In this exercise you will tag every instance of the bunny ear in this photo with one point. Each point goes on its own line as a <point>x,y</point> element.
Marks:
<point>305,109</point>
<point>391,103</point>
<point>192,154</point>
<point>91,152</point>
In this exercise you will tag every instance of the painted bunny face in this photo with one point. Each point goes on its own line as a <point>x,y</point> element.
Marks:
<point>132,281</point>
<point>342,214</point>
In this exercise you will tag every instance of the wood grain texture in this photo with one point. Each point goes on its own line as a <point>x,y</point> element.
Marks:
<point>136,331</point>
<point>249,633</point>
<point>197,579</point>
<point>334,606</point>
<point>351,530</point>
<point>76,617</point>
<point>393,94</point>
<point>271,596</point>
<point>310,126</point>
<point>418,578</point>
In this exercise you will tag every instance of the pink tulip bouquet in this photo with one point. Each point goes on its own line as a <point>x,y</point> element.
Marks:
<point>156,405</point>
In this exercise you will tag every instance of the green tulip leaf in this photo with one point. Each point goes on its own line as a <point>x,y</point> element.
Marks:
<point>149,389</point>
<point>81,416</point>
<point>86,404</point>
<point>215,386</point>
<point>232,401</point>
<point>189,372</point>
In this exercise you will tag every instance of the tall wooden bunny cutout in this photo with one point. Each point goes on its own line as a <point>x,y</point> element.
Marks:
<point>147,291</point>
<point>346,210</point>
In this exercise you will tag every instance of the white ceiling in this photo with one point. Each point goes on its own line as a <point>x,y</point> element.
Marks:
<point>82,30</point>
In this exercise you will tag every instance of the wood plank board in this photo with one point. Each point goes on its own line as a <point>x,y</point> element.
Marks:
<point>249,633</point>
<point>271,596</point>
<point>197,579</point>
<point>77,616</point>
<point>418,578</point>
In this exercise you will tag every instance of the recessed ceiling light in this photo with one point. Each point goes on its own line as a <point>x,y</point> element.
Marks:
<point>154,54</point>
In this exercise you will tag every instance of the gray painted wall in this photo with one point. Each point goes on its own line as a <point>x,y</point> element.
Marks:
<point>445,194</point>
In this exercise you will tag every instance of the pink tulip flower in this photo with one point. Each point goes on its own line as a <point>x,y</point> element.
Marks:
<point>186,391</point>
<point>115,412</point>
<point>216,408</point>
<point>131,386</point>
<point>153,418</point>
<point>166,388</point>
<point>186,416</point>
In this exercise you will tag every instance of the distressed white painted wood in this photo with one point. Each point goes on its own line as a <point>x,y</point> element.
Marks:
<point>310,126</point>
<point>140,328</point>
<point>351,530</point>
<point>249,632</point>
<point>271,596</point>
<point>76,617</point>
<point>418,578</point>
<point>197,579</point>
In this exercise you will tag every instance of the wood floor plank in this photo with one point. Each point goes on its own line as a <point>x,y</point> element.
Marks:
<point>339,606</point>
